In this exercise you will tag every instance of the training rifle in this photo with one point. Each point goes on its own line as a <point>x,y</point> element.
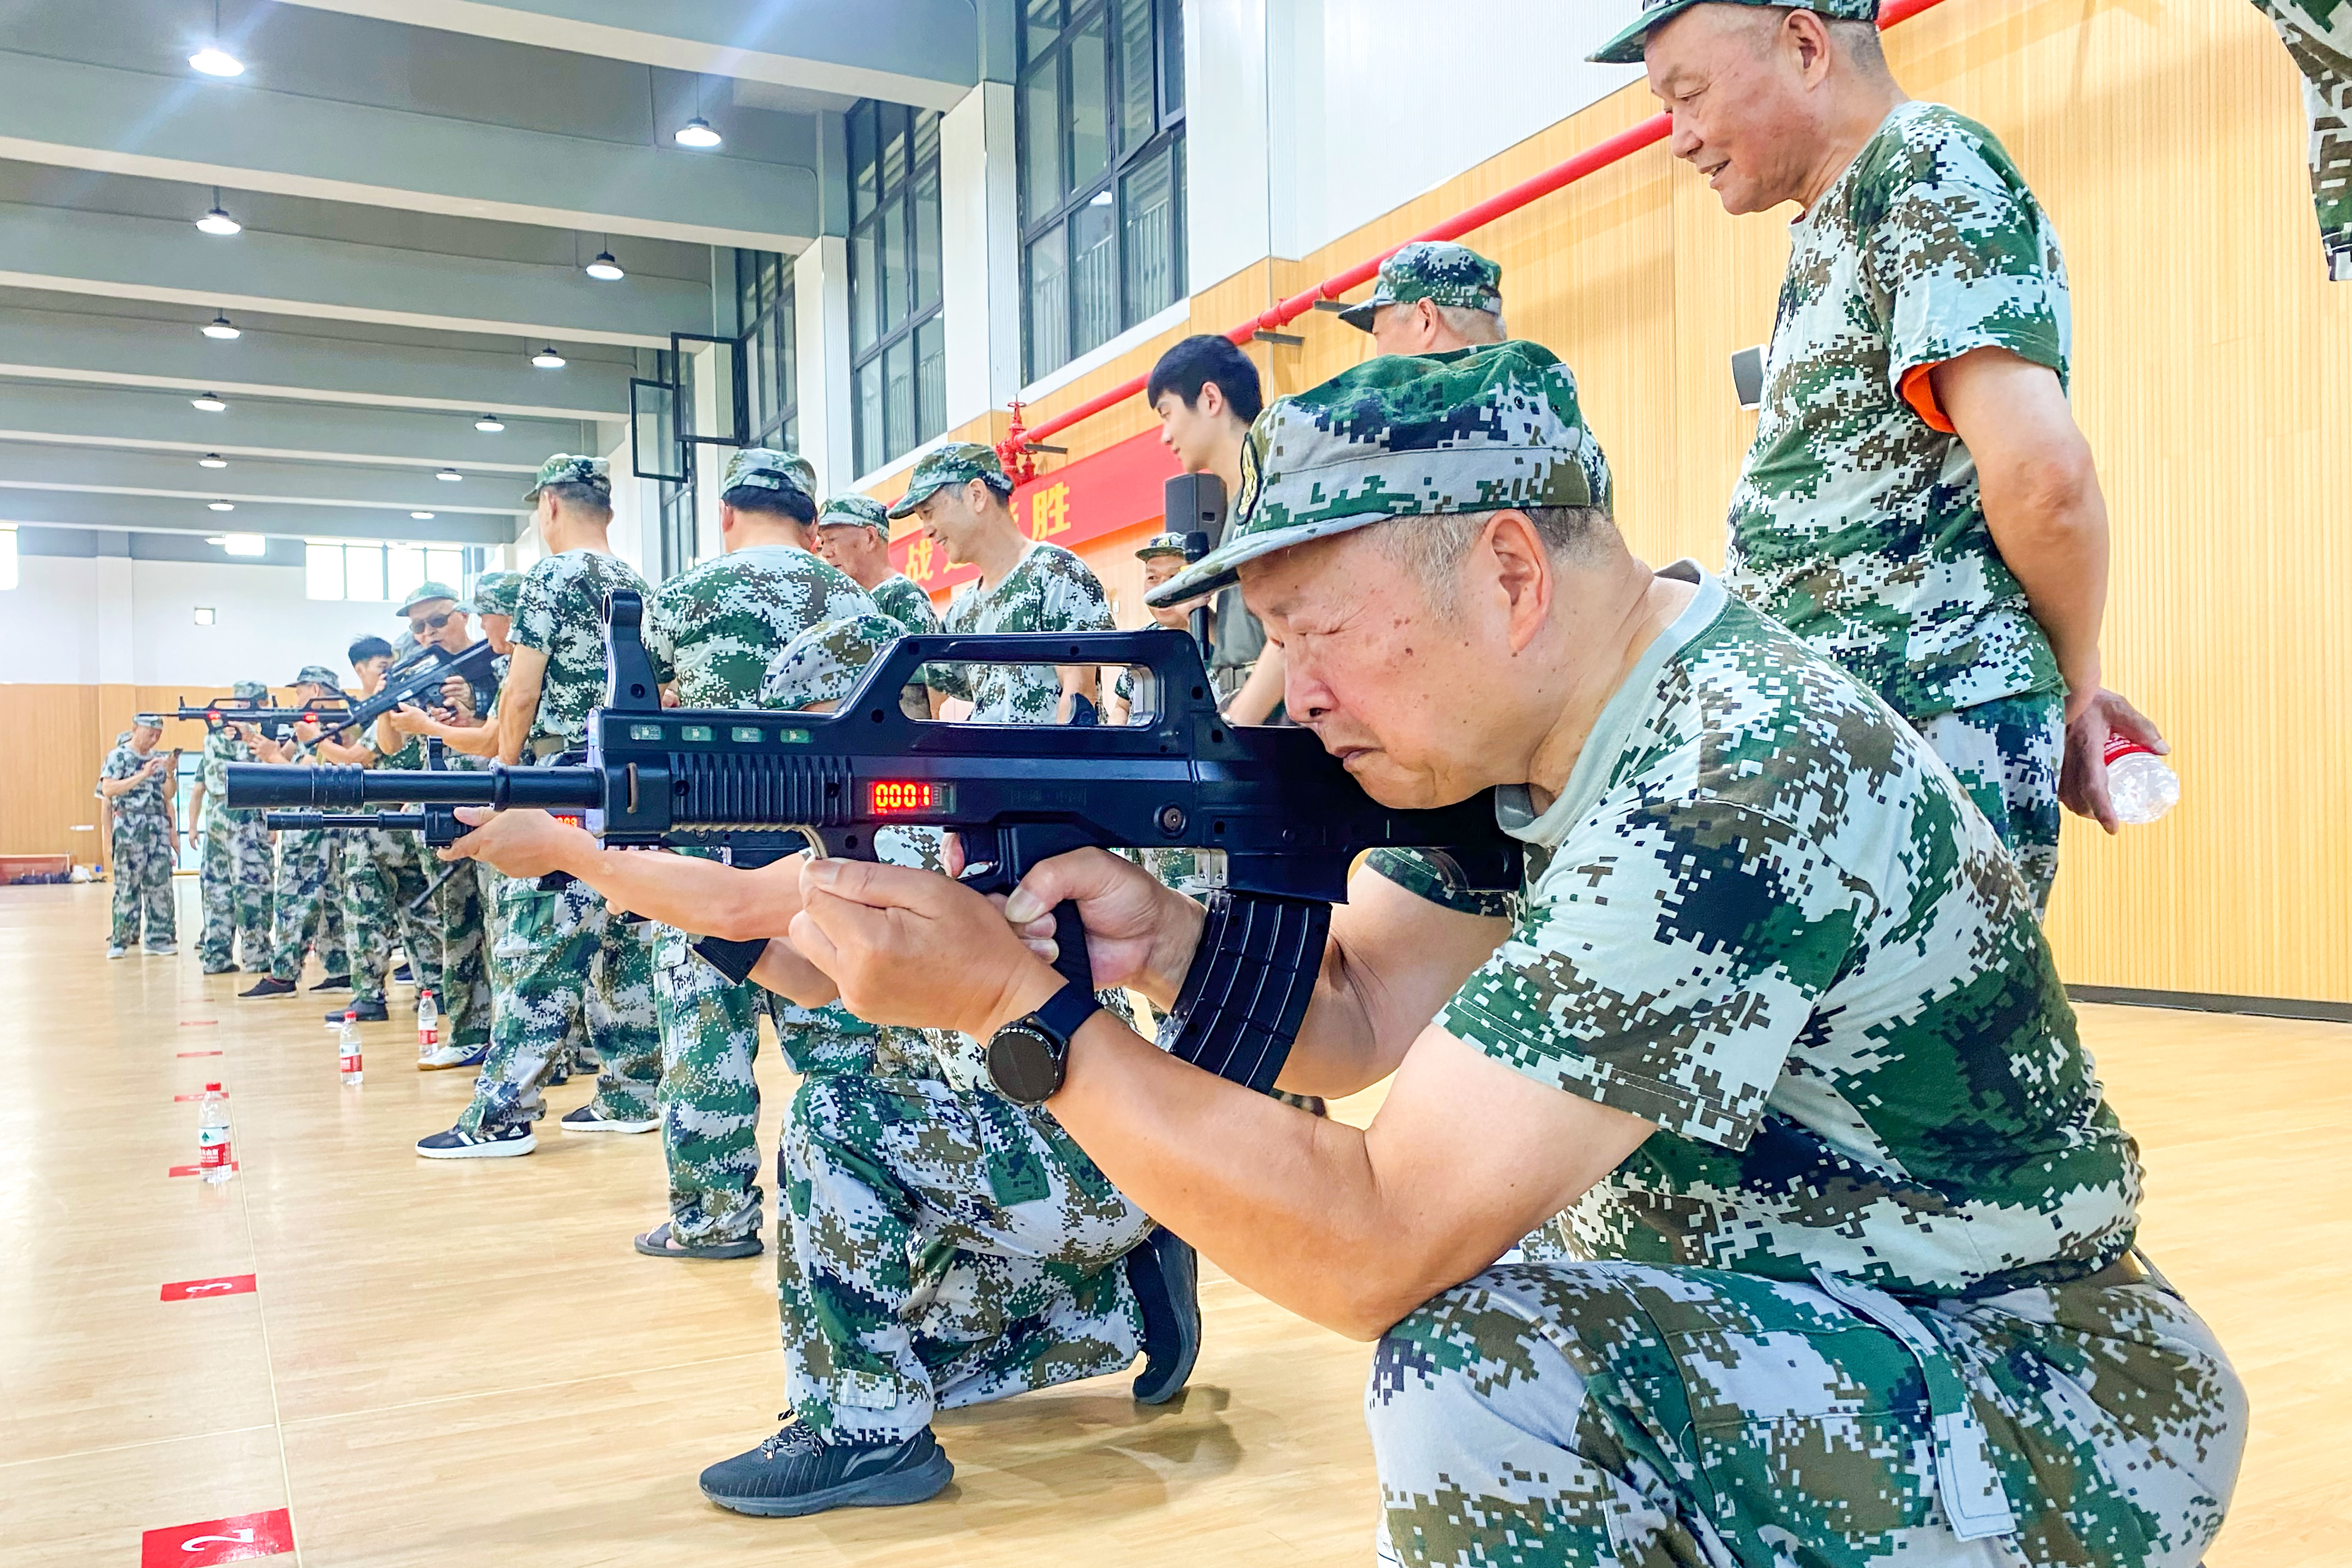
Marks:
<point>275,723</point>
<point>418,679</point>
<point>1277,820</point>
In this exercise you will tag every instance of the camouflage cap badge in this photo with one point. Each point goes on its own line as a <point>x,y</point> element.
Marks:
<point>1477,430</point>
<point>498,593</point>
<point>854,511</point>
<point>424,593</point>
<point>1626,49</point>
<point>255,691</point>
<point>567,468</point>
<point>957,463</point>
<point>1161,544</point>
<point>766,468</point>
<point>318,675</point>
<point>1440,271</point>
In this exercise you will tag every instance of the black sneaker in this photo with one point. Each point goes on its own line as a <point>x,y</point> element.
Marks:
<point>404,975</point>
<point>220,969</point>
<point>1166,1275</point>
<point>369,1012</point>
<point>586,1119</point>
<point>269,985</point>
<point>491,1143</point>
<point>335,982</point>
<point>797,1472</point>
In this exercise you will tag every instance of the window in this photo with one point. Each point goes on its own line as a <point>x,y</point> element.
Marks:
<point>7,559</point>
<point>383,574</point>
<point>1100,110</point>
<point>898,345</point>
<point>763,287</point>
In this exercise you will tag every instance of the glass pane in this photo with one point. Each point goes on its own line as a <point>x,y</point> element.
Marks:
<point>1041,131</point>
<point>403,568</point>
<point>864,292</point>
<point>446,566</point>
<point>1138,118</point>
<point>1044,19</point>
<point>869,417</point>
<point>1090,103</point>
<point>894,268</point>
<point>787,356</point>
<point>1150,244</point>
<point>930,380</point>
<point>790,434</point>
<point>1094,277</point>
<point>899,396</point>
<point>772,275</point>
<point>1171,57</point>
<point>682,410</point>
<point>862,194</point>
<point>927,138</point>
<point>363,571</point>
<point>894,148</point>
<point>322,571</point>
<point>747,284</point>
<point>1049,306</point>
<point>927,236</point>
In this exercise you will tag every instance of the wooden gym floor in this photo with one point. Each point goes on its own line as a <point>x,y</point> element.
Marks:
<point>456,1363</point>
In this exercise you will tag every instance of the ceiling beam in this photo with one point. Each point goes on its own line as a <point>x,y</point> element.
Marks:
<point>256,480</point>
<point>923,52</point>
<point>107,254</point>
<point>164,514</point>
<point>84,116</point>
<point>130,350</point>
<point>134,418</point>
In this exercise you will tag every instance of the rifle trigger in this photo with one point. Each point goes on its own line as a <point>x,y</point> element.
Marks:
<point>633,789</point>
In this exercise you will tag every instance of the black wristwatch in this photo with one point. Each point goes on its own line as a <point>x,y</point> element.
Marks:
<point>1026,1058</point>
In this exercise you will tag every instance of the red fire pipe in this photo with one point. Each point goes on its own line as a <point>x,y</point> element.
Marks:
<point>1592,159</point>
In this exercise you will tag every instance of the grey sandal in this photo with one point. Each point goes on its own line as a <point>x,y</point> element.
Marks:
<point>659,1243</point>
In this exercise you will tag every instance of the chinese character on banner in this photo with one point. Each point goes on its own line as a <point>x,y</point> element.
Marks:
<point>919,561</point>
<point>1049,511</point>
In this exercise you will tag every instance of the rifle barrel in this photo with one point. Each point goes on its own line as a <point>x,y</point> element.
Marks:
<point>253,784</point>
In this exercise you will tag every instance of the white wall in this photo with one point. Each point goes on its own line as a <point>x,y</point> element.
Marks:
<point>114,620</point>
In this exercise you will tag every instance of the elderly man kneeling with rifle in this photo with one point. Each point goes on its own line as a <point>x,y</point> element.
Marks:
<point>1771,1019</point>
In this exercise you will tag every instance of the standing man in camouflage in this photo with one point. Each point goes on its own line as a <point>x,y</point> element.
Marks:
<point>712,632</point>
<point>1918,504</point>
<point>237,871</point>
<point>1771,1015</point>
<point>1431,297</point>
<point>560,962</point>
<point>1206,391</point>
<point>309,903</point>
<point>854,533</point>
<point>136,785</point>
<point>2319,35</point>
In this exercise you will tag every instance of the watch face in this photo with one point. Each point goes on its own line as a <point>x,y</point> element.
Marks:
<point>1024,1064</point>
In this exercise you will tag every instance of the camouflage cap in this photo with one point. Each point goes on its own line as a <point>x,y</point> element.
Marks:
<point>957,463</point>
<point>1437,271</point>
<point>565,468</point>
<point>250,691</point>
<point>424,593</point>
<point>1626,49</point>
<point>318,675</point>
<point>766,468</point>
<point>498,593</point>
<point>1160,545</point>
<point>1476,429</point>
<point>854,511</point>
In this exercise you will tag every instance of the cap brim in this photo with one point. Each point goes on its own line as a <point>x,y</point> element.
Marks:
<point>1359,316</point>
<point>905,504</point>
<point>1626,47</point>
<point>1220,567</point>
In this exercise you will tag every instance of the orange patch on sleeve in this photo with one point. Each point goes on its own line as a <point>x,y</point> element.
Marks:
<point>1919,391</point>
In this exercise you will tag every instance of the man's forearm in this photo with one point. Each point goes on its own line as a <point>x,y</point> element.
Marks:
<point>695,895</point>
<point>2056,548</point>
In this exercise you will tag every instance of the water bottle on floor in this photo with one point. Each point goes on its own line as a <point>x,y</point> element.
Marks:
<point>428,1025</point>
<point>347,1047</point>
<point>215,1161</point>
<point>2141,783</point>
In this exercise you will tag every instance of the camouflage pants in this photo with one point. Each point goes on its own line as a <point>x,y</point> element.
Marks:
<point>236,882</point>
<point>309,906</point>
<point>2319,35</point>
<point>143,853</point>
<point>2007,754</point>
<point>1627,1413</point>
<point>383,875</point>
<point>710,1101</point>
<point>465,990</point>
<point>561,965</point>
<point>938,1249</point>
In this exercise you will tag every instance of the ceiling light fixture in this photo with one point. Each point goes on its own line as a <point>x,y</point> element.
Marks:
<point>696,133</point>
<point>604,270</point>
<point>220,506</point>
<point>490,424</point>
<point>548,359</point>
<point>222,327</point>
<point>218,221</point>
<point>422,516</point>
<point>450,475</point>
<point>212,461</point>
<point>245,544</point>
<point>214,60</point>
<point>210,402</point>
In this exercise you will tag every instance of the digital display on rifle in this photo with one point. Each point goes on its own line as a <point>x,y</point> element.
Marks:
<point>898,795</point>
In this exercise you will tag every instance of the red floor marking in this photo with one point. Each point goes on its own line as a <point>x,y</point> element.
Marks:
<point>191,1056</point>
<point>230,1539</point>
<point>197,1290</point>
<point>184,1098</point>
<point>196,1023</point>
<point>191,1170</point>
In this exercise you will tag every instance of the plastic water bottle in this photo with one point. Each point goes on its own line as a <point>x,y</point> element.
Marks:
<point>2141,783</point>
<point>215,1161</point>
<point>428,1025</point>
<point>347,1047</point>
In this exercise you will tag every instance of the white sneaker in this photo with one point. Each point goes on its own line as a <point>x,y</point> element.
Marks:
<point>117,951</point>
<point>163,952</point>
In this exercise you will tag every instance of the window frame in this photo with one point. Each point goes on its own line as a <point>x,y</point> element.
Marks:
<point>470,566</point>
<point>765,309</point>
<point>892,198</point>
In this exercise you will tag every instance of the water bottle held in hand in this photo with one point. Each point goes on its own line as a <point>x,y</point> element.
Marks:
<point>215,1161</point>
<point>428,1025</point>
<point>2141,783</point>
<point>347,1047</point>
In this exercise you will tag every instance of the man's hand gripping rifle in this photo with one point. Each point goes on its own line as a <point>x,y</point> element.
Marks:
<point>417,679</point>
<point>1278,814</point>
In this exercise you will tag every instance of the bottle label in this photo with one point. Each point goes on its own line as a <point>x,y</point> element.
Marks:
<point>428,1036</point>
<point>352,1059</point>
<point>212,1151</point>
<point>2120,746</point>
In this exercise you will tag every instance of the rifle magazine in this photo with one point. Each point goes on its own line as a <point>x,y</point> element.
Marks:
<point>1247,990</point>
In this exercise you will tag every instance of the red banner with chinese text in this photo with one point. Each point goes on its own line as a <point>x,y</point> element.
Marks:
<point>1113,491</point>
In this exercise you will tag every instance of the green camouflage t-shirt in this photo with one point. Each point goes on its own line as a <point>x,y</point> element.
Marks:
<point>560,612</point>
<point>146,802</point>
<point>1762,915</point>
<point>221,748</point>
<point>1050,589</point>
<point>1856,523</point>
<point>714,628</point>
<point>900,598</point>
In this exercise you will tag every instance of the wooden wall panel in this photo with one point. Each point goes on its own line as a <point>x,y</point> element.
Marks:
<point>59,738</point>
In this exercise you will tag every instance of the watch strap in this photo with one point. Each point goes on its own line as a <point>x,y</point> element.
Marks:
<point>1066,1010</point>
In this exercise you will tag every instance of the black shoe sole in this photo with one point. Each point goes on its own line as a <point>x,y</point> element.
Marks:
<point>895,1489</point>
<point>1166,1367</point>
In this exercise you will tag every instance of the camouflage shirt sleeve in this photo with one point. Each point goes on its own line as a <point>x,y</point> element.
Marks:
<point>661,631</point>
<point>536,618</point>
<point>1665,962</point>
<point>1440,884</point>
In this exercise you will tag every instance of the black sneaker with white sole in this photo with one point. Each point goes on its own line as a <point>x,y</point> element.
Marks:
<point>1166,1275</point>
<point>491,1143</point>
<point>585,1120</point>
<point>797,1472</point>
<point>373,1012</point>
<point>333,983</point>
<point>268,985</point>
